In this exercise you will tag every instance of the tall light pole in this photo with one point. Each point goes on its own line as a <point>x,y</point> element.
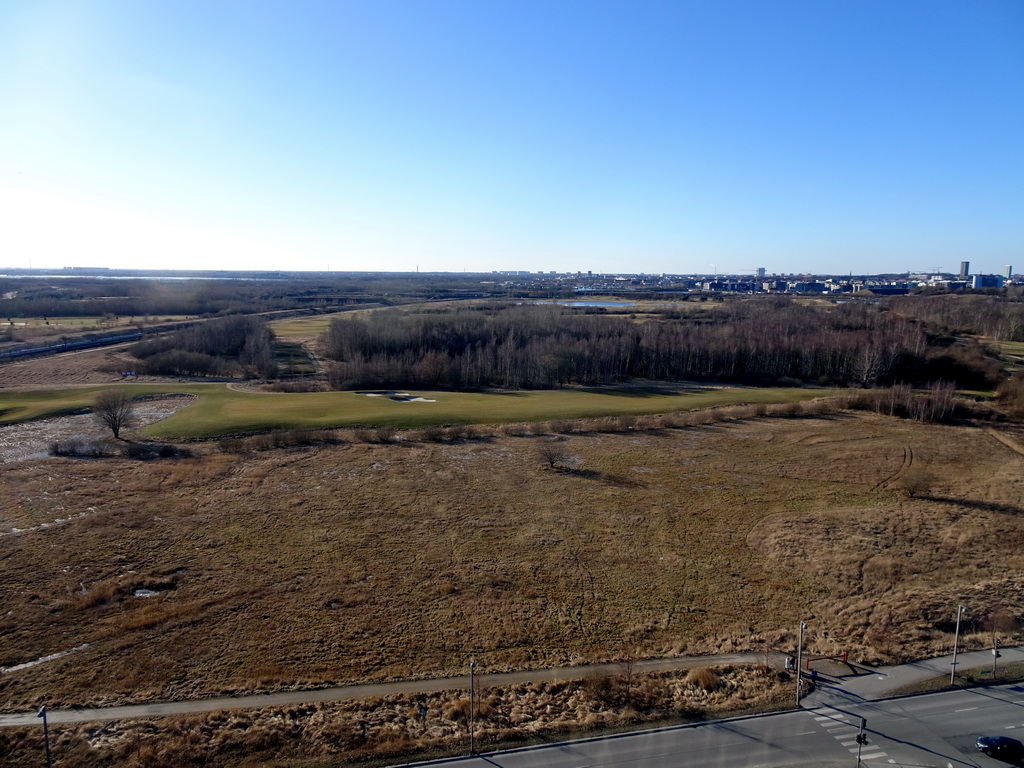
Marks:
<point>472,713</point>
<point>956,642</point>
<point>799,661</point>
<point>46,736</point>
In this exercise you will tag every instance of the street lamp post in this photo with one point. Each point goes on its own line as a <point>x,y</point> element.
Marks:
<point>799,661</point>
<point>956,642</point>
<point>46,736</point>
<point>472,714</point>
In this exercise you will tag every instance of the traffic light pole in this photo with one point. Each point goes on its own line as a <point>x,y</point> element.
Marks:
<point>862,739</point>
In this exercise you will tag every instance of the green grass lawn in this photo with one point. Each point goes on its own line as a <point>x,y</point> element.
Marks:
<point>1012,352</point>
<point>220,411</point>
<point>27,405</point>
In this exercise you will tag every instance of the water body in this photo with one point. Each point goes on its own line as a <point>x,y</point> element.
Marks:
<point>590,303</point>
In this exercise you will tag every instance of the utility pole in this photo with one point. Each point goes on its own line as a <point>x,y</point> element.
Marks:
<point>472,707</point>
<point>956,642</point>
<point>799,662</point>
<point>46,736</point>
<point>862,739</point>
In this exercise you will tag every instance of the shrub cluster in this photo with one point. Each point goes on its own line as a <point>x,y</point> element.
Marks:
<point>93,449</point>
<point>939,404</point>
<point>290,438</point>
<point>1010,395</point>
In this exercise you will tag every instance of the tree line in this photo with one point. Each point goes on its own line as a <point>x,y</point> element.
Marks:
<point>755,341</point>
<point>998,317</point>
<point>211,348</point>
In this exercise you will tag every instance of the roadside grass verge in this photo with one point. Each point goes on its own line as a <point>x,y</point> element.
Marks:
<point>969,678</point>
<point>220,411</point>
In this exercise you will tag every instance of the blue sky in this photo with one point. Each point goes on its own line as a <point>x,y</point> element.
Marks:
<point>686,136</point>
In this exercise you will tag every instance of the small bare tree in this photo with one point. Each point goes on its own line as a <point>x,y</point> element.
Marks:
<point>114,409</point>
<point>916,482</point>
<point>554,455</point>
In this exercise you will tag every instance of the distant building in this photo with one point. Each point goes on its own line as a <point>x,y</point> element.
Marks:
<point>965,268</point>
<point>760,271</point>
<point>1008,271</point>
<point>986,281</point>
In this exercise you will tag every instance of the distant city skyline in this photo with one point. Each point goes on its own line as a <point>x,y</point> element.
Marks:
<point>660,137</point>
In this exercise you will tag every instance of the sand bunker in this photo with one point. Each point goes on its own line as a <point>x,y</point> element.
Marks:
<point>398,397</point>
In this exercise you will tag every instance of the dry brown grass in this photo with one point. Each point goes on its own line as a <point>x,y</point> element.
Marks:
<point>358,731</point>
<point>351,562</point>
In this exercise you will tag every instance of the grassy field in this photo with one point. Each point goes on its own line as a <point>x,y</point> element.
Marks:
<point>307,327</point>
<point>374,561</point>
<point>220,410</point>
<point>35,326</point>
<point>1012,352</point>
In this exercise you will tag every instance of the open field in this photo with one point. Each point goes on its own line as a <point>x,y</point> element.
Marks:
<point>375,561</point>
<point>222,410</point>
<point>87,366</point>
<point>30,328</point>
<point>307,327</point>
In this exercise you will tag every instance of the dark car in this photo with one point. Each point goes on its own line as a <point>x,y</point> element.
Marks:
<point>1001,746</point>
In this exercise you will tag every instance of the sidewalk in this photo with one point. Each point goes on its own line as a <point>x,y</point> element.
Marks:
<point>871,684</point>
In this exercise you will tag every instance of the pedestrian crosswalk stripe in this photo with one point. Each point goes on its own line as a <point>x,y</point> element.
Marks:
<point>843,730</point>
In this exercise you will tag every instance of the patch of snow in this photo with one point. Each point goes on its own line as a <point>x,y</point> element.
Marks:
<point>51,657</point>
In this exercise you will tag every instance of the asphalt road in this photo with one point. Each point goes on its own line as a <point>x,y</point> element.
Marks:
<point>933,730</point>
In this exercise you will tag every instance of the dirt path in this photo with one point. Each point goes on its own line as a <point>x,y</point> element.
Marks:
<point>1006,440</point>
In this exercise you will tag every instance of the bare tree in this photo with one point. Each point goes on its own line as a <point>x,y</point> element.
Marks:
<point>554,455</point>
<point>114,409</point>
<point>916,482</point>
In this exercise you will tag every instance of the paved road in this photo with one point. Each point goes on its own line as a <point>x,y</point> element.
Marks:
<point>934,730</point>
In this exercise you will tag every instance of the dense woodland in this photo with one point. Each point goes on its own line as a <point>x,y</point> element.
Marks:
<point>216,347</point>
<point>752,341</point>
<point>139,298</point>
<point>998,317</point>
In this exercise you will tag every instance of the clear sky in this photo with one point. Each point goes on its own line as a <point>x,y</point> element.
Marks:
<point>628,136</point>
